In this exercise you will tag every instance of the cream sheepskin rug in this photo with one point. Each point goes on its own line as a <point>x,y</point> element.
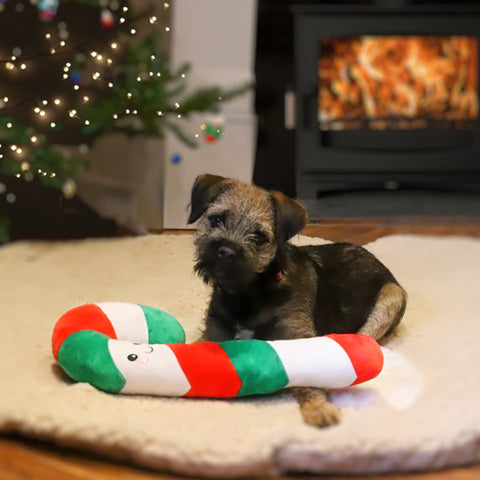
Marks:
<point>424,415</point>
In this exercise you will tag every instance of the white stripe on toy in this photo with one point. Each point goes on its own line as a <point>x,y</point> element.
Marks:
<point>160,372</point>
<point>127,319</point>
<point>315,361</point>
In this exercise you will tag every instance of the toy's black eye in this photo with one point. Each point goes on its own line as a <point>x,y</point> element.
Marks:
<point>132,357</point>
<point>216,220</point>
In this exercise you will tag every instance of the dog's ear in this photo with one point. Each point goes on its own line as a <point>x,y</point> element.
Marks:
<point>291,216</point>
<point>205,189</point>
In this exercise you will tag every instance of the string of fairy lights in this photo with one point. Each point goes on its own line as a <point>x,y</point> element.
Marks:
<point>89,67</point>
<point>58,45</point>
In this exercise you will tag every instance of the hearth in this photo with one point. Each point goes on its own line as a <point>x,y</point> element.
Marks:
<point>387,97</point>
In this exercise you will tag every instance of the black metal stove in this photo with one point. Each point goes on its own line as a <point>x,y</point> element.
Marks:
<point>387,96</point>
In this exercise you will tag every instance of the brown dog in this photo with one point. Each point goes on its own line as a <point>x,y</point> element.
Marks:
<point>266,288</point>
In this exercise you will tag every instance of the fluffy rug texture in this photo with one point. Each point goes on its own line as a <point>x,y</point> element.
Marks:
<point>428,418</point>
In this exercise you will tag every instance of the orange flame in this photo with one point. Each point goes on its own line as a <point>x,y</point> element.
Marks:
<point>397,81</point>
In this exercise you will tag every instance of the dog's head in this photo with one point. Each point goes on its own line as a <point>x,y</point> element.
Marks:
<point>241,230</point>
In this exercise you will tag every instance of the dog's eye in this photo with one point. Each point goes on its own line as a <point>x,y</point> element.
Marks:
<point>216,220</point>
<point>260,238</point>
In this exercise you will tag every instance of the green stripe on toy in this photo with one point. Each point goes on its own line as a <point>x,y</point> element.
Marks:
<point>128,348</point>
<point>85,357</point>
<point>162,327</point>
<point>246,357</point>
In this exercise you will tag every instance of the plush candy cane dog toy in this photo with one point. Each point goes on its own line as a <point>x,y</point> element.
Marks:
<point>128,348</point>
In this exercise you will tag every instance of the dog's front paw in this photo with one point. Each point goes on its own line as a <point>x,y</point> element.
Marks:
<point>319,412</point>
<point>315,407</point>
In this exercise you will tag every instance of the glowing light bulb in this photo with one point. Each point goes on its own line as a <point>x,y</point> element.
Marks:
<point>167,29</point>
<point>86,99</point>
<point>9,66</point>
<point>93,54</point>
<point>57,101</point>
<point>133,31</point>
<point>114,45</point>
<point>23,66</point>
<point>48,36</point>
<point>76,87</point>
<point>153,19</point>
<point>33,139</point>
<point>53,124</point>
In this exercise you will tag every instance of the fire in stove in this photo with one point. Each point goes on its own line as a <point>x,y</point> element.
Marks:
<point>398,82</point>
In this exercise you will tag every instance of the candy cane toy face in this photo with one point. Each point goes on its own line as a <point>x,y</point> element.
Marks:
<point>127,348</point>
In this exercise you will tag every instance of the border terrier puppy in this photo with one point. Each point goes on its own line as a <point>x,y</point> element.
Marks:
<point>266,288</point>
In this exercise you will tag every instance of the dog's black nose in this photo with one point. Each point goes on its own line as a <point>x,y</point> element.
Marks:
<point>226,253</point>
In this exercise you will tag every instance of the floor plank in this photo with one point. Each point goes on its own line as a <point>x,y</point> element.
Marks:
<point>22,458</point>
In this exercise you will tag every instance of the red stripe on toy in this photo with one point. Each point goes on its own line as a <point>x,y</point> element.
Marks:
<point>208,370</point>
<point>85,317</point>
<point>364,352</point>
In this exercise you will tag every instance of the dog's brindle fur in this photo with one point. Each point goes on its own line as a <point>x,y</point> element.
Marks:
<point>266,288</point>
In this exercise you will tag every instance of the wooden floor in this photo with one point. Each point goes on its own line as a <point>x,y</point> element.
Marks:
<point>22,459</point>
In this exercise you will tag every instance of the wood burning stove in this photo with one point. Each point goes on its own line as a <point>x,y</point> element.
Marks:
<point>386,96</point>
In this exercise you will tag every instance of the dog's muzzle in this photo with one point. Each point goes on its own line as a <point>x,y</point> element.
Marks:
<point>226,265</point>
<point>226,254</point>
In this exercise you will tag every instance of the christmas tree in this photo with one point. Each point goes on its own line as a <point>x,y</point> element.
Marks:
<point>80,69</point>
